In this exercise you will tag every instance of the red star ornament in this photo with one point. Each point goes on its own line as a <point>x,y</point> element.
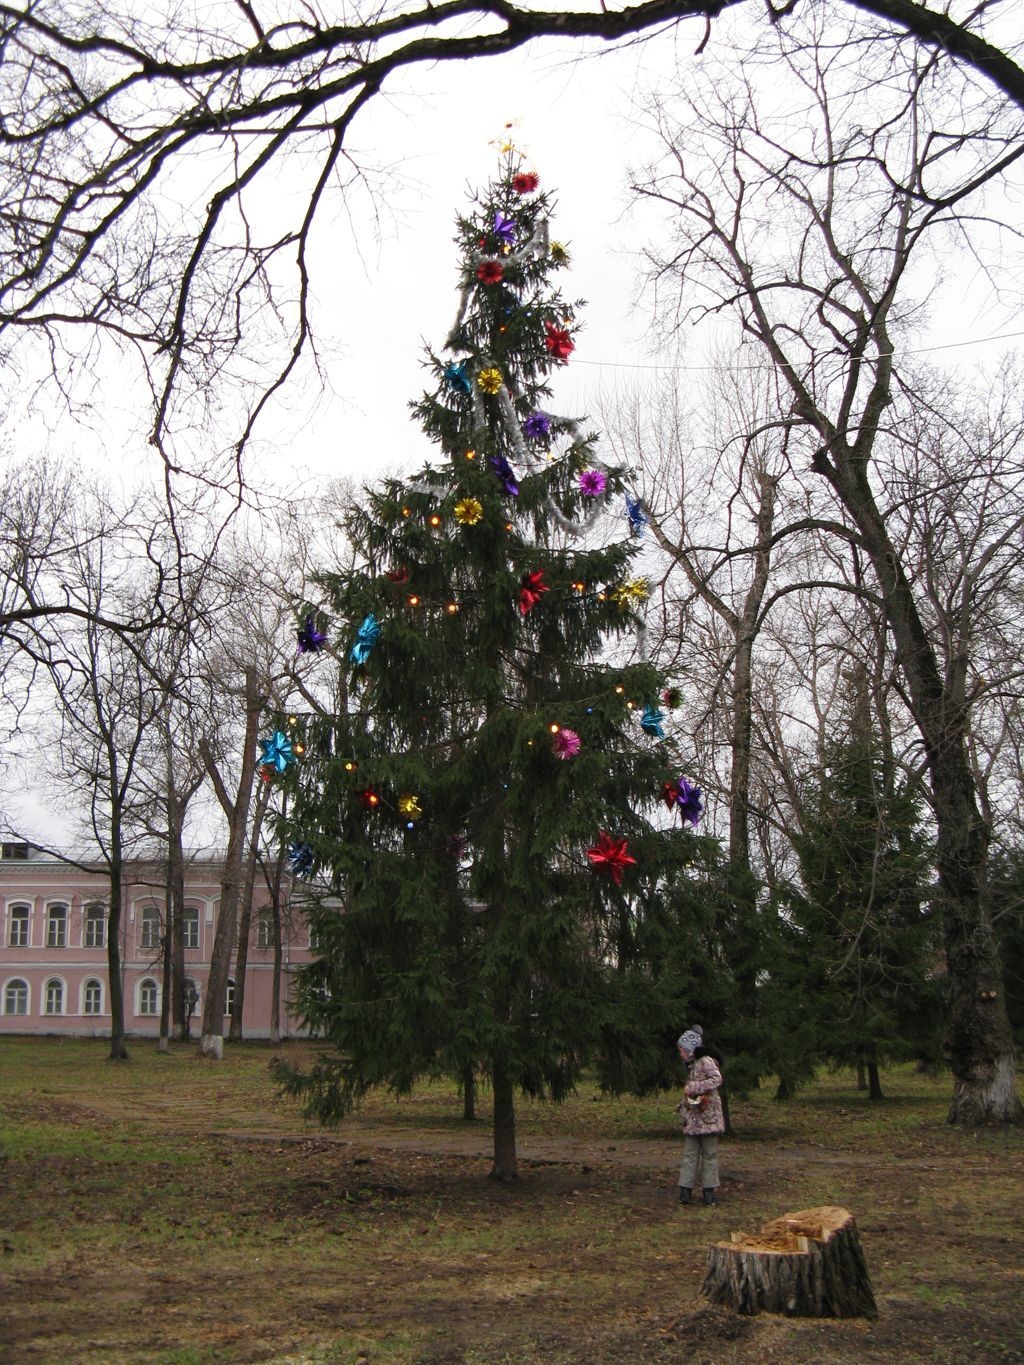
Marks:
<point>531,589</point>
<point>559,342</point>
<point>610,857</point>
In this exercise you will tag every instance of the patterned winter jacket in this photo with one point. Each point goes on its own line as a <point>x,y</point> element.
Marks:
<point>702,1080</point>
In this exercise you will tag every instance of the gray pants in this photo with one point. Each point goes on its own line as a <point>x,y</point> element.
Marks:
<point>700,1162</point>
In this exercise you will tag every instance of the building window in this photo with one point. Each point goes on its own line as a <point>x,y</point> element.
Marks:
<point>151,927</point>
<point>264,931</point>
<point>57,926</point>
<point>149,997</point>
<point>190,927</point>
<point>92,997</point>
<point>94,934</point>
<point>229,998</point>
<point>54,997</point>
<point>19,925</point>
<point>16,997</point>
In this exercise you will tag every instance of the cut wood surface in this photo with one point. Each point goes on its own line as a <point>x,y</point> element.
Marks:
<point>804,1264</point>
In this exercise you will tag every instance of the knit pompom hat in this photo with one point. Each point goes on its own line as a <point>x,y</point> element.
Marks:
<point>690,1041</point>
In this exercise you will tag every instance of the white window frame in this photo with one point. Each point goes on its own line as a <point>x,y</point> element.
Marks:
<point>140,990</point>
<point>150,920</point>
<point>20,919</point>
<point>91,981</point>
<point>10,984</point>
<point>63,918</point>
<point>62,987</point>
<point>229,998</point>
<point>191,915</point>
<point>264,930</point>
<point>94,914</point>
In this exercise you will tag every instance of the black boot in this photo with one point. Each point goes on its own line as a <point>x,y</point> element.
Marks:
<point>685,1195</point>
<point>709,1196</point>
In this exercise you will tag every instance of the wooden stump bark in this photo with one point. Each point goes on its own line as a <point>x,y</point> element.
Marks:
<point>806,1264</point>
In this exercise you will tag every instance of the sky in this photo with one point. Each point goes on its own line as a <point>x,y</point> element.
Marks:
<point>384,277</point>
<point>580,123</point>
<point>571,120</point>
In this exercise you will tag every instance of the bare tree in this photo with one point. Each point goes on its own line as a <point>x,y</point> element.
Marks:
<point>806,236</point>
<point>44,541</point>
<point>106,703</point>
<point>108,113</point>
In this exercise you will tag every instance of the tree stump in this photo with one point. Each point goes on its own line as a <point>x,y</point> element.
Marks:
<point>807,1264</point>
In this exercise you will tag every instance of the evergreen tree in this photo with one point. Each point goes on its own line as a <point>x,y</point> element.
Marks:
<point>864,949</point>
<point>486,814</point>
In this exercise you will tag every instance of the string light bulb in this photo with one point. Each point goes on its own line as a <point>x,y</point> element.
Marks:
<point>435,520</point>
<point>470,454</point>
<point>452,608</point>
<point>413,600</point>
<point>554,729</point>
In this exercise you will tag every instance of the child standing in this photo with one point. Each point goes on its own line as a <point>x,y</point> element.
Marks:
<point>701,1113</point>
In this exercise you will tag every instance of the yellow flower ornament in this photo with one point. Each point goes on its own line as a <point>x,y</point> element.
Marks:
<point>468,511</point>
<point>489,380</point>
<point>634,590</point>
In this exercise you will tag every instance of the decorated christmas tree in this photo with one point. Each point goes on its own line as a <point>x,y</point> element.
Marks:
<point>499,812</point>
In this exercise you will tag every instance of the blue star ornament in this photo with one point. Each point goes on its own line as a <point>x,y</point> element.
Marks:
<point>300,859</point>
<point>651,721</point>
<point>635,512</point>
<point>366,637</point>
<point>457,378</point>
<point>277,752</point>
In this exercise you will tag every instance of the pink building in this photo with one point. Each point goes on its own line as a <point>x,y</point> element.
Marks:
<point>53,947</point>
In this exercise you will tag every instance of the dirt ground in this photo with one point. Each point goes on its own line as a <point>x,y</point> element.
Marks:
<point>225,1231</point>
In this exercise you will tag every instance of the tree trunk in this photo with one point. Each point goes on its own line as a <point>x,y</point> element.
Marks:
<point>211,1042</point>
<point>745,627</point>
<point>275,924</point>
<point>862,1083</point>
<point>874,1084</point>
<point>245,922</point>
<point>806,1264</point>
<point>468,1094</point>
<point>176,905</point>
<point>118,1050</point>
<point>165,991</point>
<point>505,1166</point>
<point>980,1042</point>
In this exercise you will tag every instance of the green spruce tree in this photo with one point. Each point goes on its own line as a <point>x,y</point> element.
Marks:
<point>864,941</point>
<point>487,815</point>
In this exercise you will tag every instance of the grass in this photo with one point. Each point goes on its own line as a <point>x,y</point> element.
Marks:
<point>179,1211</point>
